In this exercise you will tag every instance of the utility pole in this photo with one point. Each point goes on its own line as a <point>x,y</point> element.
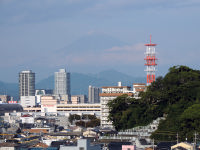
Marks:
<point>195,140</point>
<point>153,144</point>
<point>177,137</point>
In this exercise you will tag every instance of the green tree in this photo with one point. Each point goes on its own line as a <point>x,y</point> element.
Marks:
<point>190,122</point>
<point>74,117</point>
<point>116,107</point>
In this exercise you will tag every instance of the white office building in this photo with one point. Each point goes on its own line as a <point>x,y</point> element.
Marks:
<point>62,83</point>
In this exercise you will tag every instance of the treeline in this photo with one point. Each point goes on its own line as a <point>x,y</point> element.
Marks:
<point>176,96</point>
<point>84,120</point>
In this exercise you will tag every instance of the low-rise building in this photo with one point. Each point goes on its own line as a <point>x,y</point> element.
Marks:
<point>5,98</point>
<point>82,144</point>
<point>128,147</point>
<point>27,118</point>
<point>48,104</point>
<point>137,88</point>
<point>75,99</point>
<point>28,101</point>
<point>41,92</point>
<point>66,109</point>
<point>182,145</point>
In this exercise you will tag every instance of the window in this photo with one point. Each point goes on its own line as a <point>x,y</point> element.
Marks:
<point>81,148</point>
<point>128,149</point>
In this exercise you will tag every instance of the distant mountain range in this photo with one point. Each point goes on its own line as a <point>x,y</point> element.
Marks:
<point>9,89</point>
<point>79,82</point>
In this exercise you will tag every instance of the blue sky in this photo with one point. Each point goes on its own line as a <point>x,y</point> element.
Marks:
<point>32,31</point>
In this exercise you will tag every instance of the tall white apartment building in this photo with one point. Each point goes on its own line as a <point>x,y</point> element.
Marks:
<point>108,94</point>
<point>93,94</point>
<point>27,88</point>
<point>62,83</point>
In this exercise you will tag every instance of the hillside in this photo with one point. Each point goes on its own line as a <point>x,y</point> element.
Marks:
<point>175,96</point>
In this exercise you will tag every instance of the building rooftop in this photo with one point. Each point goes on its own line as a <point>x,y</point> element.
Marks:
<point>116,87</point>
<point>114,94</point>
<point>26,71</point>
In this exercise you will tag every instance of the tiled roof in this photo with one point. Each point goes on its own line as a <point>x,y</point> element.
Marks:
<point>36,130</point>
<point>43,145</point>
<point>6,144</point>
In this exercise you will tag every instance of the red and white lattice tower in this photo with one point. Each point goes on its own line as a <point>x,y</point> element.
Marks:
<point>150,62</point>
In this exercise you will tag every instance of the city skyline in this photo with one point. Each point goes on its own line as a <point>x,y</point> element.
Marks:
<point>34,34</point>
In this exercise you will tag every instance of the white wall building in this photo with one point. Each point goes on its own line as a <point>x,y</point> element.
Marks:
<point>28,101</point>
<point>48,104</point>
<point>27,119</point>
<point>108,94</point>
<point>82,144</point>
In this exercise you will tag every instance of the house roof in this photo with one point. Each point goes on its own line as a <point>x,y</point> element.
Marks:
<point>27,115</point>
<point>143,142</point>
<point>182,145</point>
<point>7,144</point>
<point>36,130</point>
<point>43,145</point>
<point>117,145</point>
<point>165,145</point>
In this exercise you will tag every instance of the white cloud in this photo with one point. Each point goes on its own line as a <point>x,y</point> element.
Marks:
<point>127,54</point>
<point>124,5</point>
<point>130,48</point>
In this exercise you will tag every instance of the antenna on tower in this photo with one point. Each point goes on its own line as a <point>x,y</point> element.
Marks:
<point>150,38</point>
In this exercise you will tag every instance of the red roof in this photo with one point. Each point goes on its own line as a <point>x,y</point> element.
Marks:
<point>150,44</point>
<point>27,115</point>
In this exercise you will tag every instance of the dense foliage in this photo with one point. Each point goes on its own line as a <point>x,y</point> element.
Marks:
<point>175,96</point>
<point>90,123</point>
<point>73,117</point>
<point>85,120</point>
